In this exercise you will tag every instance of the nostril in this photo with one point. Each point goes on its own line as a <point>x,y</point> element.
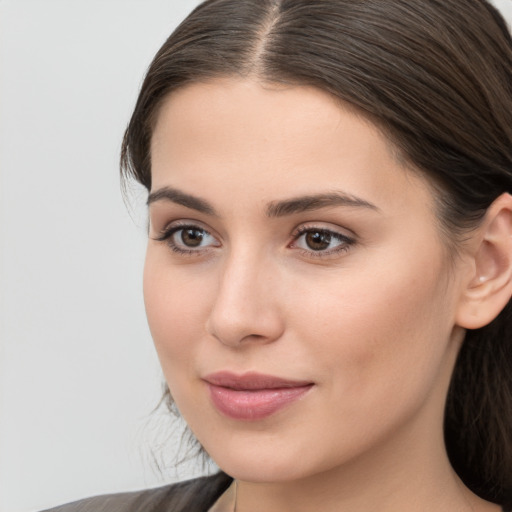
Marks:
<point>243,327</point>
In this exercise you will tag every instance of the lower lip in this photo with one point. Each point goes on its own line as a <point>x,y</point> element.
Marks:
<point>255,404</point>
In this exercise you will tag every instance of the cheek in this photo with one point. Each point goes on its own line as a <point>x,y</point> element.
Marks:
<point>379,332</point>
<point>175,310</point>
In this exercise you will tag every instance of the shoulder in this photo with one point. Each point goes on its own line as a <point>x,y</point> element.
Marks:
<point>195,495</point>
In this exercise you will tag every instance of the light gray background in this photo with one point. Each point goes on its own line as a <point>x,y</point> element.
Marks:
<point>78,373</point>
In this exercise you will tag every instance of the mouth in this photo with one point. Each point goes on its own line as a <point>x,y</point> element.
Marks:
<point>253,396</point>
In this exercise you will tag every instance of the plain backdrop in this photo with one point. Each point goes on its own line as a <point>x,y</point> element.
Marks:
<point>78,373</point>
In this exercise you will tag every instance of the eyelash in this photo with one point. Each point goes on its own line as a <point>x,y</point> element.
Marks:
<point>345,241</point>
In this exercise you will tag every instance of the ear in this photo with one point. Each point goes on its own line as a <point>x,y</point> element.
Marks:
<point>488,286</point>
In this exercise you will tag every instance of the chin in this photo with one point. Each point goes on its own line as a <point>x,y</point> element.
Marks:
<point>263,474</point>
<point>271,464</point>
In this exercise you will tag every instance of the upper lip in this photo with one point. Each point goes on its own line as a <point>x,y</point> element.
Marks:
<point>252,381</point>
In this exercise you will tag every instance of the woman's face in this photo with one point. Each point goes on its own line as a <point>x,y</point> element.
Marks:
<point>300,297</point>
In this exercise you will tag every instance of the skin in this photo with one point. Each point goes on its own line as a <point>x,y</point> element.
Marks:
<point>372,320</point>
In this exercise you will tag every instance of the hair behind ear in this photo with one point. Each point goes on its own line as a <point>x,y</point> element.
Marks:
<point>478,419</point>
<point>478,422</point>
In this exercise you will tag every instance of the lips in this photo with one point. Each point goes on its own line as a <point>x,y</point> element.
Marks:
<point>253,396</point>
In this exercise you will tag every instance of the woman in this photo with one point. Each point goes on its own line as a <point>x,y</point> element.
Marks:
<point>329,264</point>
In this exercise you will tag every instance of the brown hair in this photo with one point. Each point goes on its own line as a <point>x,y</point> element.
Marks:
<point>436,77</point>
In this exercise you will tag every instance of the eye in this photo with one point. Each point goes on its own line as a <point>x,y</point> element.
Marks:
<point>190,237</point>
<point>321,241</point>
<point>186,239</point>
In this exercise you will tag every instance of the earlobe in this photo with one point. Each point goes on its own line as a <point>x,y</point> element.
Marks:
<point>489,285</point>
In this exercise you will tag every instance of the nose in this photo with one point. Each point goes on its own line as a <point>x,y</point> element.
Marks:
<point>246,309</point>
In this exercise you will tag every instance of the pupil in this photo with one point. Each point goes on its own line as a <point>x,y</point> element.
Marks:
<point>318,241</point>
<point>192,237</point>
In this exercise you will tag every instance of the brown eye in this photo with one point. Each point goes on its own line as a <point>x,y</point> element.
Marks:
<point>192,237</point>
<point>321,242</point>
<point>318,240</point>
<point>188,239</point>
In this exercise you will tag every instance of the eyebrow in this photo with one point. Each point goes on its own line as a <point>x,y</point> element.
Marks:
<point>274,208</point>
<point>316,202</point>
<point>183,199</point>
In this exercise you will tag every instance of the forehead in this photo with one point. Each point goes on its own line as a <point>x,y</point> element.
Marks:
<point>251,100</point>
<point>264,112</point>
<point>294,138</point>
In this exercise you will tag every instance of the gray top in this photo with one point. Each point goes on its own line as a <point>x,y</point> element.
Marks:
<point>196,495</point>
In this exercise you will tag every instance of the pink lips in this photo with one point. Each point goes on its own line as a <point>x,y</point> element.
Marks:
<point>253,396</point>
